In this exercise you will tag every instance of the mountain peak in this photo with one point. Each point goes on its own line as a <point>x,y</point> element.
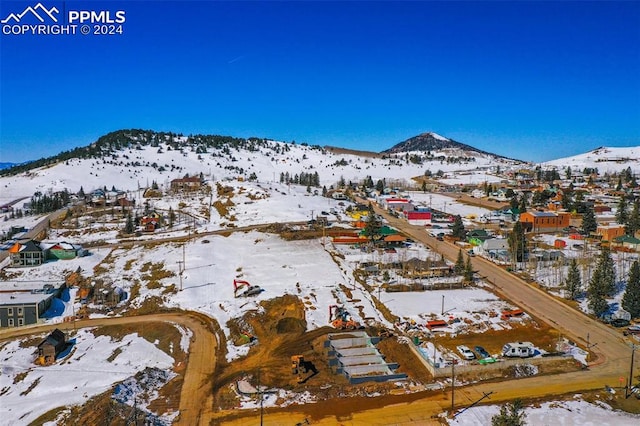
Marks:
<point>431,141</point>
<point>433,135</point>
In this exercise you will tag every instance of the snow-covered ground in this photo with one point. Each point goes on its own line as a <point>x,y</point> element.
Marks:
<point>91,365</point>
<point>563,413</point>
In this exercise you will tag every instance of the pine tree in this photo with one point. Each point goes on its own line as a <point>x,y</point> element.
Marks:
<point>172,217</point>
<point>459,266</point>
<point>468,270</point>
<point>511,414</point>
<point>621,212</point>
<point>373,225</point>
<point>523,203</point>
<point>129,227</point>
<point>573,282</point>
<point>517,246</point>
<point>596,301</point>
<point>608,272</point>
<point>631,298</point>
<point>457,228</point>
<point>633,222</point>
<point>589,223</point>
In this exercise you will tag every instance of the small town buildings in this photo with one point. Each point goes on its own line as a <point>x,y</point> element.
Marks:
<point>544,221</point>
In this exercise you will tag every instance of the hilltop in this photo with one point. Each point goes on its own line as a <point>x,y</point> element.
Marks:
<point>605,159</point>
<point>130,159</point>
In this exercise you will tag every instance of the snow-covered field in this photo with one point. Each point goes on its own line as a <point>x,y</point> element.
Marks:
<point>575,412</point>
<point>91,365</point>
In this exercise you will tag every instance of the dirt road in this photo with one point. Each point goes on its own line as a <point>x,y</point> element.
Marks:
<point>195,395</point>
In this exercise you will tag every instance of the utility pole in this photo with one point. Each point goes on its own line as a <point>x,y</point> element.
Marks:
<point>453,385</point>
<point>589,346</point>
<point>261,393</point>
<point>180,270</point>
<point>630,386</point>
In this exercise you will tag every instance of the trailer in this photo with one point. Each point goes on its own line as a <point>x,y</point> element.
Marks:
<point>518,350</point>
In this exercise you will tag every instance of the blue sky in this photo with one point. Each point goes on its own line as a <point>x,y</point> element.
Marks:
<point>528,80</point>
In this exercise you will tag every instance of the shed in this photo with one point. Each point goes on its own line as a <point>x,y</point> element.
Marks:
<point>560,244</point>
<point>51,347</point>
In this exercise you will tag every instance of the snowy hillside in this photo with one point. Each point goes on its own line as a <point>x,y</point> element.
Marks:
<point>140,161</point>
<point>606,160</point>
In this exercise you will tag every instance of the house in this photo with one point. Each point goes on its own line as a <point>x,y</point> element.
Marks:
<point>476,237</point>
<point>54,344</point>
<point>626,242</point>
<point>610,232</point>
<point>186,184</point>
<point>394,240</point>
<point>151,221</point>
<point>495,248</point>
<point>23,308</point>
<point>544,221</point>
<point>125,202</point>
<point>418,217</point>
<point>27,253</point>
<point>397,204</point>
<point>62,250</point>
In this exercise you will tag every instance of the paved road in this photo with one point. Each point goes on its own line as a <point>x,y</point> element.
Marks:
<point>195,395</point>
<point>41,226</point>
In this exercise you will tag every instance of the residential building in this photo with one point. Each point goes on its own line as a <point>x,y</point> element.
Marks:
<point>544,221</point>
<point>610,232</point>
<point>186,184</point>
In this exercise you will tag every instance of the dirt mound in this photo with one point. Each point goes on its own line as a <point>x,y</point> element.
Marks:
<point>291,325</point>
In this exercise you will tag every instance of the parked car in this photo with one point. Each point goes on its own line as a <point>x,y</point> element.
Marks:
<point>632,329</point>
<point>482,352</point>
<point>619,322</point>
<point>466,352</point>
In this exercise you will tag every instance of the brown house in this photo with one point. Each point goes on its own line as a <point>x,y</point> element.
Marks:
<point>51,347</point>
<point>186,184</point>
<point>537,221</point>
<point>610,232</point>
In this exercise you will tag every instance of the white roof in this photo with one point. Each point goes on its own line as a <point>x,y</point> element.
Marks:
<point>23,298</point>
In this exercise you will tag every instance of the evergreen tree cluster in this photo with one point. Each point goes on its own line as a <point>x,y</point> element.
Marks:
<point>602,284</point>
<point>43,203</point>
<point>631,298</point>
<point>630,219</point>
<point>511,414</point>
<point>308,179</point>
